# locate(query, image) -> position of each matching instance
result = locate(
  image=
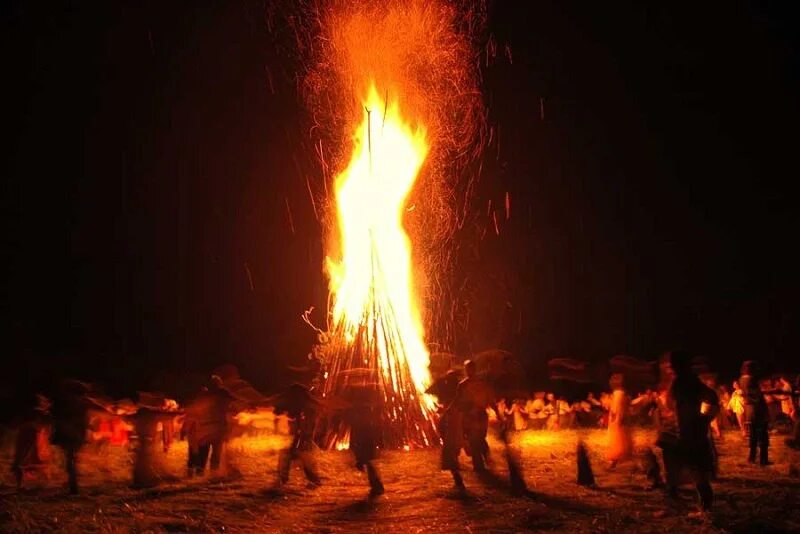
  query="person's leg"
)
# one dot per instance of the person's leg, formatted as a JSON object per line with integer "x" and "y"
{"x": 476, "y": 448}
{"x": 310, "y": 467}
{"x": 216, "y": 455}
{"x": 284, "y": 465}
{"x": 753, "y": 438}
{"x": 72, "y": 468}
{"x": 671, "y": 467}
{"x": 764, "y": 445}
{"x": 375, "y": 484}
{"x": 202, "y": 457}
{"x": 706, "y": 493}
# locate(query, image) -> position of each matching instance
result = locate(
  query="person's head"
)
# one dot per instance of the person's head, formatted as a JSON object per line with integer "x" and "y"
{"x": 550, "y": 397}
{"x": 470, "y": 368}
{"x": 749, "y": 368}
{"x": 736, "y": 386}
{"x": 215, "y": 383}
{"x": 590, "y": 396}
{"x": 681, "y": 362}
{"x": 616, "y": 381}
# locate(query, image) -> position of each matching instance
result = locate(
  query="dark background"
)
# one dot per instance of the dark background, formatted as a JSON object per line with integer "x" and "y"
{"x": 159, "y": 221}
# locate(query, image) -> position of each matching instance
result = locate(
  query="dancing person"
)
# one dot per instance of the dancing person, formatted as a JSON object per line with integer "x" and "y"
{"x": 450, "y": 427}
{"x": 301, "y": 407}
{"x": 152, "y": 412}
{"x": 620, "y": 438}
{"x": 692, "y": 450}
{"x": 736, "y": 405}
{"x": 756, "y": 413}
{"x": 70, "y": 413}
{"x": 197, "y": 453}
{"x": 363, "y": 417}
{"x": 507, "y": 386}
{"x": 473, "y": 396}
{"x": 31, "y": 451}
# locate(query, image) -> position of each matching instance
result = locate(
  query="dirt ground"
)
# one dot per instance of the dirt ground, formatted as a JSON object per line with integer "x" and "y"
{"x": 419, "y": 496}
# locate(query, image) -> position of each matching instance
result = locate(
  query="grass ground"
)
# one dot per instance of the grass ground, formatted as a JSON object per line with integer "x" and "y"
{"x": 419, "y": 497}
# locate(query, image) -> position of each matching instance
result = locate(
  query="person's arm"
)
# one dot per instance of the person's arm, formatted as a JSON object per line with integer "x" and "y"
{"x": 711, "y": 398}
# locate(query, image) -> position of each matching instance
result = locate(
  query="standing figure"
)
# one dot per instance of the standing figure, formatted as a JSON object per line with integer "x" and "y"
{"x": 207, "y": 417}
{"x": 152, "y": 413}
{"x": 198, "y": 458}
{"x": 692, "y": 451}
{"x": 450, "y": 427}
{"x": 301, "y": 408}
{"x": 31, "y": 451}
{"x": 70, "y": 413}
{"x": 756, "y": 412}
{"x": 620, "y": 438}
{"x": 363, "y": 417}
{"x": 736, "y": 405}
{"x": 473, "y": 396}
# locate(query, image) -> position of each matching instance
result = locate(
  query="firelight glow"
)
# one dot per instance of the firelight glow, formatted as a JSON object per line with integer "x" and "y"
{"x": 372, "y": 283}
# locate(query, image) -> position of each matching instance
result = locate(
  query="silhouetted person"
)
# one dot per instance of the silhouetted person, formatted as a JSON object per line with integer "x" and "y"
{"x": 197, "y": 456}
{"x": 473, "y": 396}
{"x": 363, "y": 417}
{"x": 70, "y": 413}
{"x": 301, "y": 408}
{"x": 147, "y": 468}
{"x": 31, "y": 452}
{"x": 450, "y": 427}
{"x": 756, "y": 412}
{"x": 688, "y": 395}
{"x": 507, "y": 386}
{"x": 207, "y": 418}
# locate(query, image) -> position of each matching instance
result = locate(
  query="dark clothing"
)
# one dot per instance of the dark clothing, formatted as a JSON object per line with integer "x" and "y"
{"x": 689, "y": 394}
{"x": 301, "y": 407}
{"x": 473, "y": 396}
{"x": 206, "y": 426}
{"x": 684, "y": 437}
{"x": 70, "y": 413}
{"x": 759, "y": 439}
{"x": 756, "y": 418}
{"x": 198, "y": 457}
{"x": 364, "y": 420}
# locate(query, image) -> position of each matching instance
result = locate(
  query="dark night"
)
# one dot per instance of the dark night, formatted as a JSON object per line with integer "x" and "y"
{"x": 383, "y": 265}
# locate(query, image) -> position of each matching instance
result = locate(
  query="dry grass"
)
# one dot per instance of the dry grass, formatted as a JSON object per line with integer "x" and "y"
{"x": 419, "y": 496}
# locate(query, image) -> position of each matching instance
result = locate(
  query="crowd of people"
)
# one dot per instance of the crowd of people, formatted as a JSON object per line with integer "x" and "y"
{"x": 688, "y": 409}
{"x": 547, "y": 411}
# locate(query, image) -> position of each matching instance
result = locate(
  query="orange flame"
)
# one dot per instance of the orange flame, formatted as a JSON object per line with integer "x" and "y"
{"x": 374, "y": 274}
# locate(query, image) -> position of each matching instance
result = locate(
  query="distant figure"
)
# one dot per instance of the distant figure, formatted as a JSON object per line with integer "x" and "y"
{"x": 736, "y": 405}
{"x": 756, "y": 412}
{"x": 620, "y": 438}
{"x": 473, "y": 396}
{"x": 31, "y": 450}
{"x": 301, "y": 408}
{"x": 70, "y": 412}
{"x": 692, "y": 450}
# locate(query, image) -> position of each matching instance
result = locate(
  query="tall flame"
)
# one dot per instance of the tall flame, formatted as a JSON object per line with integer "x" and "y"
{"x": 372, "y": 283}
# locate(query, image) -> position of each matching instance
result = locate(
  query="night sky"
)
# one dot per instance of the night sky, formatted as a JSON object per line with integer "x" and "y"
{"x": 159, "y": 221}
